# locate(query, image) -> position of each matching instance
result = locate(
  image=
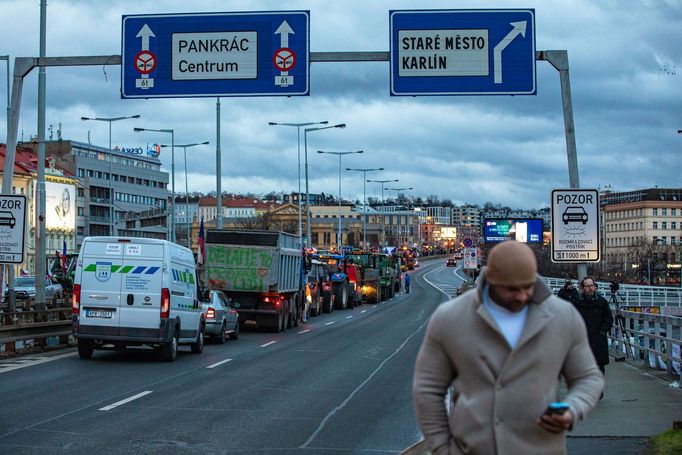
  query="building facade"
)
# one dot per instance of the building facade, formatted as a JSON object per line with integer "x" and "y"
{"x": 127, "y": 184}
{"x": 641, "y": 234}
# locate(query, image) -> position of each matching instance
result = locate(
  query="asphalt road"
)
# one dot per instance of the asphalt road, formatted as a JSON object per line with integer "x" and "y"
{"x": 339, "y": 384}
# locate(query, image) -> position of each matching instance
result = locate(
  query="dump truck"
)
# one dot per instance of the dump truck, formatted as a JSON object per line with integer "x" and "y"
{"x": 260, "y": 271}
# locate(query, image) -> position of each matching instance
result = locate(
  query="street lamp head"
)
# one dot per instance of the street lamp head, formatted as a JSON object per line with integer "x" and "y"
{"x": 135, "y": 116}
{"x": 360, "y": 151}
{"x": 85, "y": 118}
{"x": 325, "y": 122}
{"x": 340, "y": 125}
{"x": 137, "y": 130}
{"x": 272, "y": 123}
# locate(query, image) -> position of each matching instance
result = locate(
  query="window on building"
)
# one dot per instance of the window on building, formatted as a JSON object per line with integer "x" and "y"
{"x": 654, "y": 212}
{"x": 664, "y": 240}
{"x": 664, "y": 225}
{"x": 664, "y": 212}
{"x": 673, "y": 212}
{"x": 673, "y": 240}
{"x": 655, "y": 225}
{"x": 673, "y": 225}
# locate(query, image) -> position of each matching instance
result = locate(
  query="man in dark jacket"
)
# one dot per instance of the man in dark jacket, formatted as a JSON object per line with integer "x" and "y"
{"x": 569, "y": 292}
{"x": 596, "y": 312}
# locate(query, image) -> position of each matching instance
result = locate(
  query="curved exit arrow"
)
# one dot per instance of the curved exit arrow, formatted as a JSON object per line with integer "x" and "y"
{"x": 519, "y": 29}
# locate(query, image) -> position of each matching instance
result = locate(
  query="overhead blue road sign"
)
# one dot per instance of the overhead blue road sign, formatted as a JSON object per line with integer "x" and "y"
{"x": 463, "y": 52}
{"x": 215, "y": 54}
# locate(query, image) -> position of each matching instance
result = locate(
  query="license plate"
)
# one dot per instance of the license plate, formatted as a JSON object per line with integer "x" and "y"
{"x": 102, "y": 314}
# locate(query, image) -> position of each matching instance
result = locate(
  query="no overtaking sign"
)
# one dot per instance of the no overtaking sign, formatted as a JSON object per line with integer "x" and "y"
{"x": 12, "y": 228}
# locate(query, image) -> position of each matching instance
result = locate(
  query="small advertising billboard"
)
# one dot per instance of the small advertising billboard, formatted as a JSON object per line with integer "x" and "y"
{"x": 526, "y": 230}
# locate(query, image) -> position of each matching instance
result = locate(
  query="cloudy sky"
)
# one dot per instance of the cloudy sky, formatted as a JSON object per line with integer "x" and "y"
{"x": 626, "y": 79}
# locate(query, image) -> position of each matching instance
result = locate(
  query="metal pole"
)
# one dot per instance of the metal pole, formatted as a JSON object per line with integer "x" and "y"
{"x": 9, "y": 271}
{"x": 559, "y": 60}
{"x": 364, "y": 210}
{"x": 111, "y": 196}
{"x": 218, "y": 172}
{"x": 338, "y": 240}
{"x": 39, "y": 242}
{"x": 189, "y": 237}
{"x": 173, "y": 186}
{"x": 307, "y": 194}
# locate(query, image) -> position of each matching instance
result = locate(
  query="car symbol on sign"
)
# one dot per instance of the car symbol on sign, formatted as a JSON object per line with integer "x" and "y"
{"x": 574, "y": 213}
{"x": 7, "y": 219}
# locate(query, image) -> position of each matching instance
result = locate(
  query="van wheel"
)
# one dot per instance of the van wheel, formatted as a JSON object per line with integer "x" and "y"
{"x": 85, "y": 349}
{"x": 221, "y": 337}
{"x": 169, "y": 351}
{"x": 198, "y": 345}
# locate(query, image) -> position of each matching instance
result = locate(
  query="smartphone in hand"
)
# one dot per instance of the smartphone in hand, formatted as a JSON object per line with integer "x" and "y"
{"x": 556, "y": 407}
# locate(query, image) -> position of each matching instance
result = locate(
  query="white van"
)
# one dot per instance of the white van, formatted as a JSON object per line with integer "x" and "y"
{"x": 133, "y": 291}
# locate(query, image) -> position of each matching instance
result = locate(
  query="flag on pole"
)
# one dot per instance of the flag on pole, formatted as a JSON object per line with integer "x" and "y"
{"x": 201, "y": 254}
{"x": 64, "y": 257}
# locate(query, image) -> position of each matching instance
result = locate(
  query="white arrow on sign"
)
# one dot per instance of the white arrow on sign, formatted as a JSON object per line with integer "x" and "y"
{"x": 145, "y": 33}
{"x": 283, "y": 30}
{"x": 519, "y": 29}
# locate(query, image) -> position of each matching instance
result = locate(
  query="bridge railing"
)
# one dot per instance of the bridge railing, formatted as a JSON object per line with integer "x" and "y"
{"x": 632, "y": 294}
{"x": 651, "y": 339}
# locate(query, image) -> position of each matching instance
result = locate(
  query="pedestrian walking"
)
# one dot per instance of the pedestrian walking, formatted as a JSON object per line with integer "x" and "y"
{"x": 596, "y": 313}
{"x": 569, "y": 292}
{"x": 407, "y": 283}
{"x": 500, "y": 351}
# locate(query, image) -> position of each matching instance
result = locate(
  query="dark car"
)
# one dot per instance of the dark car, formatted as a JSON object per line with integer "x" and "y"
{"x": 7, "y": 219}
{"x": 222, "y": 319}
{"x": 451, "y": 262}
{"x": 574, "y": 213}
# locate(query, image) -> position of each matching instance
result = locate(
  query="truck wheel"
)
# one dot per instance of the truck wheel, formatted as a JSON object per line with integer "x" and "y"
{"x": 340, "y": 295}
{"x": 299, "y": 310}
{"x": 327, "y": 306}
{"x": 277, "y": 327}
{"x": 285, "y": 318}
{"x": 85, "y": 349}
{"x": 169, "y": 351}
{"x": 221, "y": 336}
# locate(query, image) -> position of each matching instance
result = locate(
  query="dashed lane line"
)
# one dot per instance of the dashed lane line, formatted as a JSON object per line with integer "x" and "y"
{"x": 348, "y": 317}
{"x": 217, "y": 364}
{"x": 127, "y": 400}
{"x": 329, "y": 323}
{"x": 304, "y": 331}
{"x": 267, "y": 344}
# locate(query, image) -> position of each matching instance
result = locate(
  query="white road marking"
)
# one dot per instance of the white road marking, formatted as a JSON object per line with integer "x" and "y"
{"x": 362, "y": 311}
{"x": 329, "y": 323}
{"x": 348, "y": 317}
{"x": 304, "y": 331}
{"x": 127, "y": 400}
{"x": 354, "y": 392}
{"x": 217, "y": 364}
{"x": 23, "y": 363}
{"x": 267, "y": 344}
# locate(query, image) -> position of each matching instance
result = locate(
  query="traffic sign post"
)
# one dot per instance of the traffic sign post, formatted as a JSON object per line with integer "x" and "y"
{"x": 463, "y": 52}
{"x": 12, "y": 228}
{"x": 470, "y": 259}
{"x": 220, "y": 54}
{"x": 575, "y": 225}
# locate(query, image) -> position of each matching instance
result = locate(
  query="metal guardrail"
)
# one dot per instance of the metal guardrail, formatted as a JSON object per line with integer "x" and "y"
{"x": 33, "y": 325}
{"x": 631, "y": 294}
{"x": 653, "y": 339}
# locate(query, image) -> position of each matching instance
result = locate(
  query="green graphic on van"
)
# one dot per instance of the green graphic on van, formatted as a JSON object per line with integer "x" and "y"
{"x": 104, "y": 270}
{"x": 183, "y": 277}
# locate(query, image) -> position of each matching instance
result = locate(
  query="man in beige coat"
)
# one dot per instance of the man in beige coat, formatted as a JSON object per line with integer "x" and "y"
{"x": 502, "y": 348}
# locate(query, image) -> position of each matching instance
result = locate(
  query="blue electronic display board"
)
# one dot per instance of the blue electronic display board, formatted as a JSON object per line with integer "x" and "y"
{"x": 215, "y": 54}
{"x": 526, "y": 230}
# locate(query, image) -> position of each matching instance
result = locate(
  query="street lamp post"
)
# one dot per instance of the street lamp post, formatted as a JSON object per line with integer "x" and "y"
{"x": 110, "y": 120}
{"x": 383, "y": 208}
{"x": 298, "y": 130}
{"x": 172, "y": 210}
{"x": 185, "y": 147}
{"x": 340, "y": 154}
{"x": 307, "y": 194}
{"x": 364, "y": 199}
{"x": 399, "y": 190}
